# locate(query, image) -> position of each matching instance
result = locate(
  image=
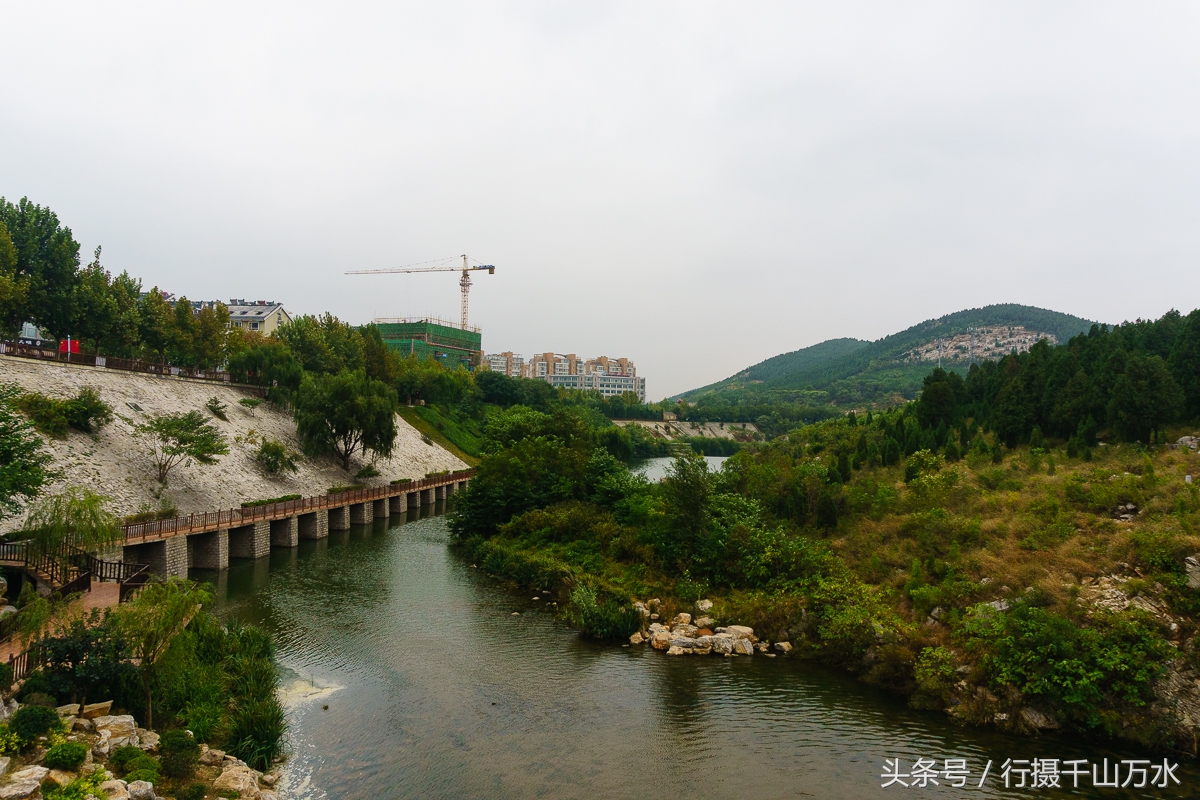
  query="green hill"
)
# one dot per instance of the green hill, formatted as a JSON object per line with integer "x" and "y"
{"x": 852, "y": 371}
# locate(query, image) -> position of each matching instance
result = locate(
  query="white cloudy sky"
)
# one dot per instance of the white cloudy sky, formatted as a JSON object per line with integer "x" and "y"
{"x": 696, "y": 186}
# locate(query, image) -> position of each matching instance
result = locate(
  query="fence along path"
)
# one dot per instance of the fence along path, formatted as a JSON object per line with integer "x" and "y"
{"x": 205, "y": 521}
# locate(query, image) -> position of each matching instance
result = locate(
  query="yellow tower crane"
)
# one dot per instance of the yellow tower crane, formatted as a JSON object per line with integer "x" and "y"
{"x": 464, "y": 283}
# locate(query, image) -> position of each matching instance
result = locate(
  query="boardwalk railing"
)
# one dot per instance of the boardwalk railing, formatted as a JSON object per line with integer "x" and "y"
{"x": 108, "y": 362}
{"x": 236, "y": 517}
{"x": 70, "y": 570}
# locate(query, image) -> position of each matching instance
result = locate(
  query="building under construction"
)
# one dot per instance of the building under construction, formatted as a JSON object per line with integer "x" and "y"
{"x": 428, "y": 337}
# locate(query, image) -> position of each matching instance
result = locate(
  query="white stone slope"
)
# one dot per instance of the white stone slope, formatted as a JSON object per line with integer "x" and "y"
{"x": 116, "y": 464}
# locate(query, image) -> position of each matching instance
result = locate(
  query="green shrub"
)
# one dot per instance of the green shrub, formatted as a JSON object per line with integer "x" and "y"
{"x": 274, "y": 457}
{"x": 193, "y": 791}
{"x": 47, "y": 414}
{"x": 10, "y": 743}
{"x": 147, "y": 775}
{"x": 256, "y": 730}
{"x": 142, "y": 765}
{"x": 120, "y": 758}
{"x": 31, "y": 722}
{"x": 202, "y": 719}
{"x": 67, "y": 756}
{"x": 217, "y": 408}
{"x": 85, "y": 412}
{"x": 340, "y": 489}
{"x": 368, "y": 471}
{"x": 81, "y": 788}
{"x": 179, "y": 754}
{"x": 270, "y": 500}
{"x": 250, "y": 403}
{"x": 1083, "y": 673}
{"x": 40, "y": 699}
{"x": 602, "y": 617}
{"x": 6, "y": 675}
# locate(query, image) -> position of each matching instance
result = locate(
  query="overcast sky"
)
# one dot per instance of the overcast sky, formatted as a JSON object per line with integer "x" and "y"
{"x": 695, "y": 186}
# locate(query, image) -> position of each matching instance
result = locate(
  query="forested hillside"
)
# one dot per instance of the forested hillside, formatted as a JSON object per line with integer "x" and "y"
{"x": 854, "y": 372}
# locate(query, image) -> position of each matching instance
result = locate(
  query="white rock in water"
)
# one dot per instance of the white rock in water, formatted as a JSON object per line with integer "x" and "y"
{"x": 636, "y": 638}
{"x": 704, "y": 605}
{"x": 704, "y": 622}
{"x": 783, "y": 647}
{"x": 722, "y": 643}
{"x": 660, "y": 640}
{"x": 676, "y": 651}
{"x": 741, "y": 632}
{"x": 743, "y": 647}
{"x": 682, "y": 619}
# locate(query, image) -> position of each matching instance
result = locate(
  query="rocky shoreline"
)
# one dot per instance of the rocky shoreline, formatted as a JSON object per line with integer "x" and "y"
{"x": 685, "y": 636}
{"x": 104, "y": 733}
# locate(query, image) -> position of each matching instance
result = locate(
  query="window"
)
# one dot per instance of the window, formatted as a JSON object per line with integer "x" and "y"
{"x": 253, "y": 326}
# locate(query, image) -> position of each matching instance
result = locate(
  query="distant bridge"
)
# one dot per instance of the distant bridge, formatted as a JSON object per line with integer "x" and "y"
{"x": 207, "y": 540}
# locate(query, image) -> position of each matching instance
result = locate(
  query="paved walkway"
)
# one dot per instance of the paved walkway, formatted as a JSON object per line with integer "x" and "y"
{"x": 102, "y": 595}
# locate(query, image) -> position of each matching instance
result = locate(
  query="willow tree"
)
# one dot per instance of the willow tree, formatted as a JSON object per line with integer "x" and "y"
{"x": 77, "y": 517}
{"x": 151, "y": 621}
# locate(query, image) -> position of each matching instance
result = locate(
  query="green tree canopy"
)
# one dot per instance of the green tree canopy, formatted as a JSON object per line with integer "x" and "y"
{"x": 1144, "y": 397}
{"x": 344, "y": 413}
{"x": 47, "y": 263}
{"x": 24, "y": 464}
{"x": 76, "y": 517}
{"x": 176, "y": 438}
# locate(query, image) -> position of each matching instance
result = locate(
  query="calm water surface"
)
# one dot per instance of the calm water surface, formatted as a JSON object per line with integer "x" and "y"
{"x": 656, "y": 468}
{"x": 435, "y": 690}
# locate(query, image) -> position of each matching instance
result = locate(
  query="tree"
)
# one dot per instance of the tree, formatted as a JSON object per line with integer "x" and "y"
{"x": 269, "y": 364}
{"x": 343, "y": 413}
{"x": 1144, "y": 397}
{"x": 175, "y": 438}
{"x": 95, "y": 305}
{"x": 14, "y": 289}
{"x": 150, "y": 621}
{"x": 47, "y": 262}
{"x": 155, "y": 323}
{"x": 24, "y": 465}
{"x": 1185, "y": 364}
{"x": 75, "y": 517}
{"x": 938, "y": 403}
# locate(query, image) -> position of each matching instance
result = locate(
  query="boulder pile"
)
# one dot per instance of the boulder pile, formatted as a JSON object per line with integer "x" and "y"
{"x": 699, "y": 636}
{"x": 104, "y": 733}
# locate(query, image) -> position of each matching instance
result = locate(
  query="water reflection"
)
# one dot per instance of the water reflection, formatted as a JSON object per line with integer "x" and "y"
{"x": 449, "y": 695}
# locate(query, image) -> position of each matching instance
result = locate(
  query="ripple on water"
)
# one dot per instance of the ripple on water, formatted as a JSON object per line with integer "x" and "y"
{"x": 447, "y": 695}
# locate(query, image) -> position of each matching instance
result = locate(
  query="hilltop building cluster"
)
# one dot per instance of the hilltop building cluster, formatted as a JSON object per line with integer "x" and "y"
{"x": 979, "y": 344}
{"x": 611, "y": 377}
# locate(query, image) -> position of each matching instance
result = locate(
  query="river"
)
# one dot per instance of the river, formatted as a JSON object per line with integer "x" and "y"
{"x": 409, "y": 676}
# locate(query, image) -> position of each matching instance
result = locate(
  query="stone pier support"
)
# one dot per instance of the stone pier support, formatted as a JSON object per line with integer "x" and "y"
{"x": 250, "y": 541}
{"x": 362, "y": 513}
{"x": 398, "y": 504}
{"x": 339, "y": 518}
{"x": 427, "y": 497}
{"x": 381, "y": 509}
{"x": 414, "y": 499}
{"x": 314, "y": 525}
{"x": 285, "y": 532}
{"x": 439, "y": 493}
{"x": 167, "y": 557}
{"x": 208, "y": 550}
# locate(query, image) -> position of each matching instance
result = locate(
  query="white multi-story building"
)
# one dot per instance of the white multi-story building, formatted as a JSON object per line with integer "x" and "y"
{"x": 506, "y": 363}
{"x": 611, "y": 377}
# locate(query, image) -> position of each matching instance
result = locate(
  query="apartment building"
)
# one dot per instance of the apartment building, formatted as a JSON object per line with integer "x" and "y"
{"x": 609, "y": 376}
{"x": 506, "y": 363}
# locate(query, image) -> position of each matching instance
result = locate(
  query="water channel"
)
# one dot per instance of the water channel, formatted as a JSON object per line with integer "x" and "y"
{"x": 409, "y": 676}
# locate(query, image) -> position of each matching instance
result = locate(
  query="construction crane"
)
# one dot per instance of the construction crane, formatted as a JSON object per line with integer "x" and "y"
{"x": 464, "y": 283}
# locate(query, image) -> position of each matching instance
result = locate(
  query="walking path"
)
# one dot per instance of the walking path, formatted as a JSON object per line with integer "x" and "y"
{"x": 102, "y": 595}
